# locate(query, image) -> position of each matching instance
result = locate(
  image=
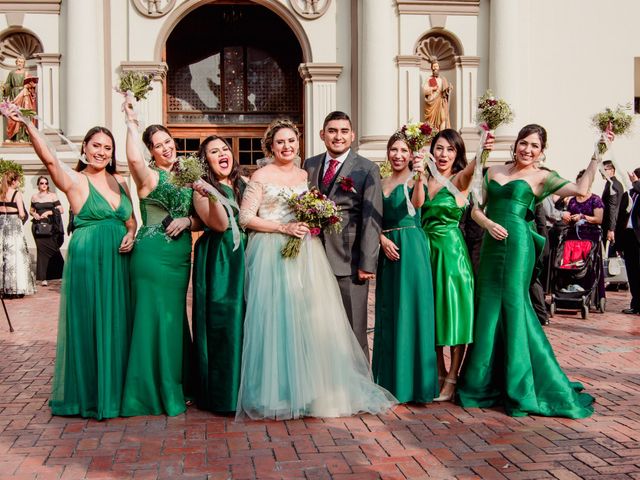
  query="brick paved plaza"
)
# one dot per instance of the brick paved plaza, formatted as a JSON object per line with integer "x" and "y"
{"x": 434, "y": 441}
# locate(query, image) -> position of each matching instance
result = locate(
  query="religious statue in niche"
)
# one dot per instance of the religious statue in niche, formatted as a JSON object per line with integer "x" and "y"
{"x": 154, "y": 8}
{"x": 310, "y": 9}
{"x": 20, "y": 88}
{"x": 437, "y": 91}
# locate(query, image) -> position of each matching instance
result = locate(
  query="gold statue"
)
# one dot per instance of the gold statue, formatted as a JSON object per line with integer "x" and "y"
{"x": 437, "y": 91}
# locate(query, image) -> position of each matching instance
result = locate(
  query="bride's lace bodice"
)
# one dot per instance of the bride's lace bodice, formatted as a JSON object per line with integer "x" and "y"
{"x": 268, "y": 201}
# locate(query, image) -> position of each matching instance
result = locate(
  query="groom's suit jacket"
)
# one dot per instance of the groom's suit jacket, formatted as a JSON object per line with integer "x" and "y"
{"x": 356, "y": 247}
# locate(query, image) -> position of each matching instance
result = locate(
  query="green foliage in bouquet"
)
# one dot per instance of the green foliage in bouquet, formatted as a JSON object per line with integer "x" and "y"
{"x": 139, "y": 84}
{"x": 618, "y": 121}
{"x": 492, "y": 112}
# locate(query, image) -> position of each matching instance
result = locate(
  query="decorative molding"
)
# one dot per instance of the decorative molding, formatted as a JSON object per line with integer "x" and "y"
{"x": 323, "y": 72}
{"x": 154, "y": 8}
{"x": 408, "y": 60}
{"x": 440, "y": 46}
{"x": 17, "y": 42}
{"x": 310, "y": 9}
{"x": 442, "y": 7}
{"x": 15, "y": 19}
{"x": 157, "y": 69}
{"x": 31, "y": 6}
{"x": 468, "y": 61}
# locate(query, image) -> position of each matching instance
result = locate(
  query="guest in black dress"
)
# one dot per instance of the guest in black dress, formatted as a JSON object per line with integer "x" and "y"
{"x": 48, "y": 232}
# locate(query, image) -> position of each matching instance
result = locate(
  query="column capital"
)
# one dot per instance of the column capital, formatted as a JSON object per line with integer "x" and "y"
{"x": 324, "y": 72}
{"x": 468, "y": 61}
{"x": 157, "y": 69}
{"x": 443, "y": 7}
{"x": 408, "y": 60}
{"x": 48, "y": 58}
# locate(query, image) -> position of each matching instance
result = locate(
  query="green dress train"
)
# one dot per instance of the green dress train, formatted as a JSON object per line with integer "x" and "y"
{"x": 404, "y": 355}
{"x": 217, "y": 318}
{"x": 161, "y": 341}
{"x": 94, "y": 324}
{"x": 451, "y": 269}
{"x": 511, "y": 362}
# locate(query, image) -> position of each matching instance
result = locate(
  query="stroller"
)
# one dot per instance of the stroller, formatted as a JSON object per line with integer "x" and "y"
{"x": 576, "y": 272}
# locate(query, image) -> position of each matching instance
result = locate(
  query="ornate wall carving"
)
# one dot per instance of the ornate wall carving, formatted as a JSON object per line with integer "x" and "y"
{"x": 13, "y": 44}
{"x": 154, "y": 8}
{"x": 437, "y": 45}
{"x": 310, "y": 9}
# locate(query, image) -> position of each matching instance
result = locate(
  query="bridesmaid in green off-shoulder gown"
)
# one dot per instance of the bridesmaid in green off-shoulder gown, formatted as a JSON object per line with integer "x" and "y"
{"x": 218, "y": 284}
{"x": 404, "y": 355}
{"x": 511, "y": 362}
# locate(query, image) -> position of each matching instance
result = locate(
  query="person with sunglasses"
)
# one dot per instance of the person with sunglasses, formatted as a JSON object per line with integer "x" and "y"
{"x": 48, "y": 232}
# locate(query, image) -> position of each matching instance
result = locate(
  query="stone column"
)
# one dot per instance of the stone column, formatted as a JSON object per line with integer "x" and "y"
{"x": 378, "y": 117}
{"x": 466, "y": 106}
{"x": 504, "y": 67}
{"x": 48, "y": 65}
{"x": 409, "y": 89}
{"x": 83, "y": 68}
{"x": 320, "y": 81}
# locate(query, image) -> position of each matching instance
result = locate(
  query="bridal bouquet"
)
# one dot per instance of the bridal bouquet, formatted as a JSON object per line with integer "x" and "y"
{"x": 609, "y": 121}
{"x": 492, "y": 112}
{"x": 316, "y": 210}
{"x": 186, "y": 171}
{"x": 25, "y": 112}
{"x": 418, "y": 135}
{"x": 137, "y": 83}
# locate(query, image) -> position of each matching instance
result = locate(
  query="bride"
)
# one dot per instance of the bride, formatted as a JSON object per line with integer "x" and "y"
{"x": 300, "y": 356}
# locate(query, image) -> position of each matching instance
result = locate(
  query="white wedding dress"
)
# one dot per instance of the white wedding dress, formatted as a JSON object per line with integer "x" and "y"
{"x": 300, "y": 356}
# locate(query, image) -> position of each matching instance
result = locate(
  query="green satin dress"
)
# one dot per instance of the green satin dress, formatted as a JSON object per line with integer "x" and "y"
{"x": 451, "y": 269}
{"x": 404, "y": 356}
{"x": 511, "y": 362}
{"x": 95, "y": 314}
{"x": 161, "y": 341}
{"x": 218, "y": 317}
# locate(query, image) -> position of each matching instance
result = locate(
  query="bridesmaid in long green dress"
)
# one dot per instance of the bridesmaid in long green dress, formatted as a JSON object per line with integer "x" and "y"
{"x": 450, "y": 263}
{"x": 160, "y": 268}
{"x": 511, "y": 362}
{"x": 218, "y": 284}
{"x": 404, "y": 355}
{"x": 94, "y": 322}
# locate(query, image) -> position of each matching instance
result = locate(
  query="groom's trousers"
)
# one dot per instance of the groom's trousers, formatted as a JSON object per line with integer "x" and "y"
{"x": 354, "y": 297}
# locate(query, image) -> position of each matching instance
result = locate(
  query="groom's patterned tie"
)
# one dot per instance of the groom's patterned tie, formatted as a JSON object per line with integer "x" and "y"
{"x": 330, "y": 173}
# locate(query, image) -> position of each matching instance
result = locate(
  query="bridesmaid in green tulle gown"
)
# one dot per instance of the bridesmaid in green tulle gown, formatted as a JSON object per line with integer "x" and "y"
{"x": 94, "y": 322}
{"x": 218, "y": 283}
{"x": 160, "y": 268}
{"x": 511, "y": 362}
{"x": 404, "y": 355}
{"x": 450, "y": 263}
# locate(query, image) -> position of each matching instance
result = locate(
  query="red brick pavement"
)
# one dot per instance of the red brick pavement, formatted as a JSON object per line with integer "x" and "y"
{"x": 412, "y": 441}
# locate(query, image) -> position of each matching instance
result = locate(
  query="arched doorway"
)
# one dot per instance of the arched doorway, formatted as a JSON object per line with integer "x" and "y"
{"x": 233, "y": 67}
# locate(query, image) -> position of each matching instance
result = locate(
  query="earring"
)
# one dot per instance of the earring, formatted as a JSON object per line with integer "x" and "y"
{"x": 83, "y": 159}
{"x": 542, "y": 158}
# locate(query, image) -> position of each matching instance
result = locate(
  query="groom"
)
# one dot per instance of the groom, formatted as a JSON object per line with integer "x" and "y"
{"x": 353, "y": 183}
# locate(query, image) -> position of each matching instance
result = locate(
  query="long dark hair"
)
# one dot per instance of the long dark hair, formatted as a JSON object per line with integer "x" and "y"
{"x": 209, "y": 176}
{"x": 455, "y": 140}
{"x": 111, "y": 168}
{"x": 150, "y": 131}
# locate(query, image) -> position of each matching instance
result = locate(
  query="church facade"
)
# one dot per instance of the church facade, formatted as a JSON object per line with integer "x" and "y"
{"x": 230, "y": 67}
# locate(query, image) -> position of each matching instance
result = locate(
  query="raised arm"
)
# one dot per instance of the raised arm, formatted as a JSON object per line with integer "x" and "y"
{"x": 212, "y": 214}
{"x": 463, "y": 179}
{"x": 140, "y": 171}
{"x": 581, "y": 187}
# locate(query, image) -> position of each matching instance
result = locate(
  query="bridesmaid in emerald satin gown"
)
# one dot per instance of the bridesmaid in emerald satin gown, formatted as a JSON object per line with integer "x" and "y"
{"x": 94, "y": 322}
{"x": 511, "y": 362}
{"x": 404, "y": 355}
{"x": 160, "y": 268}
{"x": 450, "y": 263}
{"x": 218, "y": 284}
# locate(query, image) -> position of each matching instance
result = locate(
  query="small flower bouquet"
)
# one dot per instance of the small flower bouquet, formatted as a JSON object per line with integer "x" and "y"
{"x": 418, "y": 136}
{"x": 316, "y": 210}
{"x": 492, "y": 112}
{"x": 6, "y": 105}
{"x": 609, "y": 121}
{"x": 139, "y": 84}
{"x": 8, "y": 166}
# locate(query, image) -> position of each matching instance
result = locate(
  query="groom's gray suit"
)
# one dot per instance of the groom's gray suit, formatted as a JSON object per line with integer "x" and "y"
{"x": 356, "y": 247}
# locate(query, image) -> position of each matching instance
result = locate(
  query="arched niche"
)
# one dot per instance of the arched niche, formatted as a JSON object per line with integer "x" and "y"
{"x": 19, "y": 42}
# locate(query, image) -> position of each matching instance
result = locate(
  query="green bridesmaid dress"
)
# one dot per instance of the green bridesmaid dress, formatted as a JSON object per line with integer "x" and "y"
{"x": 218, "y": 317}
{"x": 94, "y": 324}
{"x": 161, "y": 341}
{"x": 404, "y": 355}
{"x": 511, "y": 362}
{"x": 451, "y": 269}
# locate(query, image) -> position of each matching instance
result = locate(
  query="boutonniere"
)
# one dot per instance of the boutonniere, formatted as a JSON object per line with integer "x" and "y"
{"x": 346, "y": 184}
